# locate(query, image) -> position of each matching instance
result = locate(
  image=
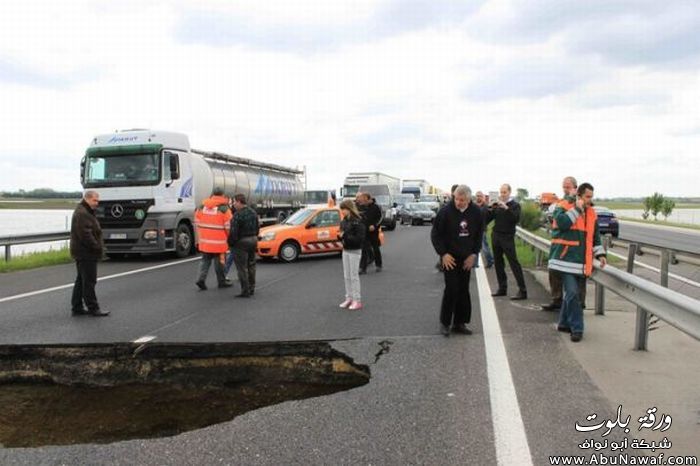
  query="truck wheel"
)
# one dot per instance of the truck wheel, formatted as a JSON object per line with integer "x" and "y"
{"x": 183, "y": 241}
{"x": 289, "y": 251}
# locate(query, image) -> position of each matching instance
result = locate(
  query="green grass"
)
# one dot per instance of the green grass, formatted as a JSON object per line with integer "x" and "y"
{"x": 622, "y": 205}
{"x": 68, "y": 204}
{"x": 663, "y": 223}
{"x": 35, "y": 260}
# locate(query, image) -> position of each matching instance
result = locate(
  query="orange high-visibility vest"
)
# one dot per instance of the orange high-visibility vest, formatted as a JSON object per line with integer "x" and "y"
{"x": 212, "y": 220}
{"x": 583, "y": 229}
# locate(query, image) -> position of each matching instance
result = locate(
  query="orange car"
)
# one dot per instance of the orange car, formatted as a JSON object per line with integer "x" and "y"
{"x": 312, "y": 230}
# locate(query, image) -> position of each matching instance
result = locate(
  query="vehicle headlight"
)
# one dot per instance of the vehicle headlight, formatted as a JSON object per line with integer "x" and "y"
{"x": 150, "y": 234}
{"x": 269, "y": 236}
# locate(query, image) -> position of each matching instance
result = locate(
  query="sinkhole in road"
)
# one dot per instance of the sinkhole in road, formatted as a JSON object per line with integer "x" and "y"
{"x": 101, "y": 393}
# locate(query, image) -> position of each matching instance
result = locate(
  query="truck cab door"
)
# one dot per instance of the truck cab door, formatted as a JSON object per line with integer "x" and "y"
{"x": 173, "y": 178}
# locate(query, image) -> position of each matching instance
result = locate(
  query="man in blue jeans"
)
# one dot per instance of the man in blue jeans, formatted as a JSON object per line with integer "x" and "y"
{"x": 481, "y": 204}
{"x": 575, "y": 242}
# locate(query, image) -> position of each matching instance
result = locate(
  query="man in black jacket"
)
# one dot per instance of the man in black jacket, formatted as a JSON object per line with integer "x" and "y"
{"x": 243, "y": 240}
{"x": 372, "y": 218}
{"x": 86, "y": 248}
{"x": 505, "y": 212}
{"x": 456, "y": 237}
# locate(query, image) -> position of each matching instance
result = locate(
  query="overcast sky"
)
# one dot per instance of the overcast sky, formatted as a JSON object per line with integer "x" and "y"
{"x": 477, "y": 92}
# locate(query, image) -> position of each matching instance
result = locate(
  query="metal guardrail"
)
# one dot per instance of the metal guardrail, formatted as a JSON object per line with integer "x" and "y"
{"x": 678, "y": 310}
{"x": 9, "y": 241}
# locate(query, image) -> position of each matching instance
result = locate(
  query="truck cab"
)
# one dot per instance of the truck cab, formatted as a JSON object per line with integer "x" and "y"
{"x": 144, "y": 179}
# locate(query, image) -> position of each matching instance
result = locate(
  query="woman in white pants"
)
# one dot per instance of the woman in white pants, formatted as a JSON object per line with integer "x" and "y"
{"x": 352, "y": 233}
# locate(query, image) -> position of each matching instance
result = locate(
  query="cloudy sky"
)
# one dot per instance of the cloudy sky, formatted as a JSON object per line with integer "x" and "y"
{"x": 475, "y": 91}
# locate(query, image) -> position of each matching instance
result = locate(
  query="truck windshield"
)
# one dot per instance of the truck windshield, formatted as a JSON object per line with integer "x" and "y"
{"x": 315, "y": 197}
{"x": 350, "y": 190}
{"x": 299, "y": 217}
{"x": 122, "y": 170}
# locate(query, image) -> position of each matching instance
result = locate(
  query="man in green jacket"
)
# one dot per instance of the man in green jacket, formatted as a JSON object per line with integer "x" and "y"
{"x": 575, "y": 242}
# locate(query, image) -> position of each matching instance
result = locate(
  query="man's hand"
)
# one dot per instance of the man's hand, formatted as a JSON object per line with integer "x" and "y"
{"x": 371, "y": 228}
{"x": 502, "y": 205}
{"x": 603, "y": 262}
{"x": 579, "y": 203}
{"x": 469, "y": 262}
{"x": 448, "y": 262}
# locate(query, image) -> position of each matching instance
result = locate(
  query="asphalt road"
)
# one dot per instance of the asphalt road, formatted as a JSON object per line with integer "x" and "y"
{"x": 680, "y": 239}
{"x": 430, "y": 399}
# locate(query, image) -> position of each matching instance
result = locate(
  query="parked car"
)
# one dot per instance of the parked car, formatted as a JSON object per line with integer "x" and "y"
{"x": 607, "y": 221}
{"x": 313, "y": 230}
{"x": 416, "y": 213}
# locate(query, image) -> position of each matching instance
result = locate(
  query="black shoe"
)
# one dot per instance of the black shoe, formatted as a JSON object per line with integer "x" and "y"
{"x": 551, "y": 307}
{"x": 488, "y": 266}
{"x": 226, "y": 284}
{"x": 202, "y": 286}
{"x": 499, "y": 293}
{"x": 98, "y": 313}
{"x": 252, "y": 291}
{"x": 520, "y": 296}
{"x": 576, "y": 337}
{"x": 564, "y": 329}
{"x": 445, "y": 330}
{"x": 461, "y": 328}
{"x": 79, "y": 312}
{"x": 379, "y": 268}
{"x": 243, "y": 294}
{"x": 362, "y": 271}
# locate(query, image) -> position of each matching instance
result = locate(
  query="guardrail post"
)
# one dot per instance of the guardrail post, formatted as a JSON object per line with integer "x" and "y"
{"x": 665, "y": 258}
{"x": 538, "y": 258}
{"x": 641, "y": 330}
{"x": 599, "y": 299}
{"x": 8, "y": 253}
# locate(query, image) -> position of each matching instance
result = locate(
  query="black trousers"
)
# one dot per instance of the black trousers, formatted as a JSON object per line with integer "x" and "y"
{"x": 84, "y": 287}
{"x": 556, "y": 287}
{"x": 244, "y": 253}
{"x": 371, "y": 247}
{"x": 504, "y": 244}
{"x": 456, "y": 301}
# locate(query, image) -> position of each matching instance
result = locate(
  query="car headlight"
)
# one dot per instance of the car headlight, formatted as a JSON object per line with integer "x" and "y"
{"x": 269, "y": 236}
{"x": 150, "y": 234}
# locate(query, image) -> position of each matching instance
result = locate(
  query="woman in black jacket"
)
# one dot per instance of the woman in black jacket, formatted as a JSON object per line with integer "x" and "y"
{"x": 352, "y": 233}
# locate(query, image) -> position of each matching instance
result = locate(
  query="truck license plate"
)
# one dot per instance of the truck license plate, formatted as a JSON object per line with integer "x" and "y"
{"x": 117, "y": 236}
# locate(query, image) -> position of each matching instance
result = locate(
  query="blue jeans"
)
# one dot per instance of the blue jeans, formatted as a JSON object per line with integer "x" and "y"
{"x": 571, "y": 313}
{"x": 228, "y": 263}
{"x": 487, "y": 252}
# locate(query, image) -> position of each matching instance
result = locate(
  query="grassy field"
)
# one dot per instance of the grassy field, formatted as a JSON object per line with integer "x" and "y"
{"x": 35, "y": 260}
{"x": 617, "y": 205}
{"x": 662, "y": 223}
{"x": 69, "y": 204}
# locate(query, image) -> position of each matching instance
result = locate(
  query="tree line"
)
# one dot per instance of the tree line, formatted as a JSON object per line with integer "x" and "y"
{"x": 42, "y": 193}
{"x": 657, "y": 203}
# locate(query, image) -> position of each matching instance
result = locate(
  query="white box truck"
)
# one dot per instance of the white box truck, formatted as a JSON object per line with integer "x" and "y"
{"x": 353, "y": 181}
{"x": 150, "y": 183}
{"x": 416, "y": 187}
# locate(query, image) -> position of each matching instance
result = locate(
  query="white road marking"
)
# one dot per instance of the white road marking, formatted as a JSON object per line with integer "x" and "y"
{"x": 108, "y": 277}
{"x": 508, "y": 427}
{"x": 144, "y": 339}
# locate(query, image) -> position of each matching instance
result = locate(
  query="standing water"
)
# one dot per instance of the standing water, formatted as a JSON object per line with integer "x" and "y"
{"x": 28, "y": 221}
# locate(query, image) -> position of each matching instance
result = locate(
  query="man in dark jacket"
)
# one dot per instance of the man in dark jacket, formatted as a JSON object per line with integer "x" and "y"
{"x": 456, "y": 237}
{"x": 86, "y": 248}
{"x": 243, "y": 240}
{"x": 372, "y": 218}
{"x": 505, "y": 212}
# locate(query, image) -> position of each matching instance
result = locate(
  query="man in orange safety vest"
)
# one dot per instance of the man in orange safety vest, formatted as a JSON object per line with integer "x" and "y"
{"x": 212, "y": 220}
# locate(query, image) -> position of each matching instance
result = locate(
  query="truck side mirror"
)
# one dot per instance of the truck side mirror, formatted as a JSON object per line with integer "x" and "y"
{"x": 82, "y": 171}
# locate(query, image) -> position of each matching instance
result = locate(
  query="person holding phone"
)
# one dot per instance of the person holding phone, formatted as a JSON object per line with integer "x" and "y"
{"x": 505, "y": 212}
{"x": 575, "y": 242}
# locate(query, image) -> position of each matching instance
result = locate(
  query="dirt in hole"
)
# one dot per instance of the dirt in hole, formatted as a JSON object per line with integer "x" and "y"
{"x": 50, "y": 414}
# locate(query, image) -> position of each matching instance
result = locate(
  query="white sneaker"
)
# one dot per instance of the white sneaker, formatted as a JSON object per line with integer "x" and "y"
{"x": 355, "y": 306}
{"x": 346, "y": 303}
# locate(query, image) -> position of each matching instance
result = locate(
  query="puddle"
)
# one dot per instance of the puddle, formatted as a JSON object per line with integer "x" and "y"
{"x": 60, "y": 395}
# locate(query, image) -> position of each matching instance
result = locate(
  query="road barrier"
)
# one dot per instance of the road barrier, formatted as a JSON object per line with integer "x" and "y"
{"x": 9, "y": 241}
{"x": 676, "y": 309}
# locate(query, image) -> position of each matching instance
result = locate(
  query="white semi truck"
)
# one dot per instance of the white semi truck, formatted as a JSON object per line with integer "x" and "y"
{"x": 416, "y": 187}
{"x": 353, "y": 181}
{"x": 151, "y": 182}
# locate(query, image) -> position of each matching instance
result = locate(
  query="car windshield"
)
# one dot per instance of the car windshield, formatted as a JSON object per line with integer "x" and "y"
{"x": 417, "y": 207}
{"x": 299, "y": 217}
{"x": 122, "y": 170}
